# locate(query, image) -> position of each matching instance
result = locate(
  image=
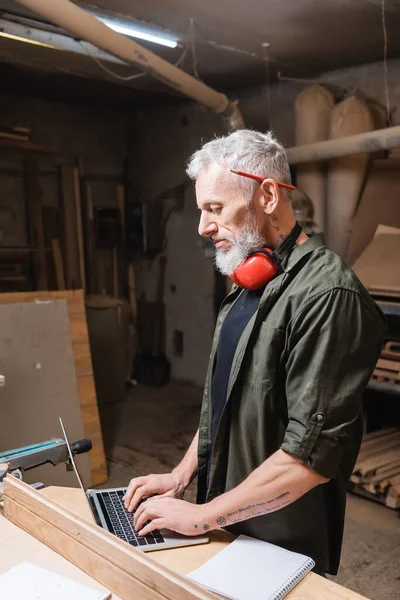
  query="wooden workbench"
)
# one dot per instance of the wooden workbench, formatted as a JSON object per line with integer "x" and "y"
{"x": 18, "y": 546}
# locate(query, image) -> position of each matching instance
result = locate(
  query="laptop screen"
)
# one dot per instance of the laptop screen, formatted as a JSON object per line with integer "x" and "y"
{"x": 71, "y": 456}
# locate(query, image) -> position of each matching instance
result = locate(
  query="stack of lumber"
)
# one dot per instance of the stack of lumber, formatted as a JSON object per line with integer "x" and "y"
{"x": 377, "y": 470}
{"x": 388, "y": 366}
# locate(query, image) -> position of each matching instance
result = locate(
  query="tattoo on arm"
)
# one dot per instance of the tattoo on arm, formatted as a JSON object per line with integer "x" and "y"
{"x": 260, "y": 508}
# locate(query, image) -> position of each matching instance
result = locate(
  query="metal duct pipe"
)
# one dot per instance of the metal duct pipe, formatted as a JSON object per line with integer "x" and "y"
{"x": 85, "y": 26}
{"x": 372, "y": 141}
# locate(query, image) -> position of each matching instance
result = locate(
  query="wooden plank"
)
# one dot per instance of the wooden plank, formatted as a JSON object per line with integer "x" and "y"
{"x": 89, "y": 229}
{"x": 79, "y": 228}
{"x": 390, "y": 376}
{"x": 88, "y": 561}
{"x": 378, "y": 449}
{"x": 115, "y": 272}
{"x": 368, "y": 437}
{"x": 51, "y": 226}
{"x": 83, "y": 369}
{"x": 119, "y": 567}
{"x": 58, "y": 264}
{"x": 121, "y": 270}
{"x": 389, "y": 365}
{"x": 132, "y": 292}
{"x": 368, "y": 446}
{"x": 33, "y": 194}
{"x": 68, "y": 206}
{"x": 383, "y": 473}
{"x": 27, "y": 146}
{"x": 372, "y": 464}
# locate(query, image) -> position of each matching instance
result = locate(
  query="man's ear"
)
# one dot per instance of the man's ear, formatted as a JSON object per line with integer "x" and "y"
{"x": 270, "y": 195}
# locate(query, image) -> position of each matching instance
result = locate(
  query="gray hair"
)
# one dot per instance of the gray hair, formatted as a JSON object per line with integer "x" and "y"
{"x": 244, "y": 150}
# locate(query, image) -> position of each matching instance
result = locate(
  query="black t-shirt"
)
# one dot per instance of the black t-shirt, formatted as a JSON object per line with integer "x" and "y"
{"x": 231, "y": 331}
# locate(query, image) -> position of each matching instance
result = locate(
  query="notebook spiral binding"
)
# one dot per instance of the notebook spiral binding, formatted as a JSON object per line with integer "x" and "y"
{"x": 297, "y": 577}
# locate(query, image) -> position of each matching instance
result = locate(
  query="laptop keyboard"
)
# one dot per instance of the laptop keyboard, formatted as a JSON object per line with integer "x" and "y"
{"x": 120, "y": 521}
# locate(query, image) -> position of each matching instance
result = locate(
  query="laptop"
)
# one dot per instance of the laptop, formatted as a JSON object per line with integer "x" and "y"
{"x": 109, "y": 513}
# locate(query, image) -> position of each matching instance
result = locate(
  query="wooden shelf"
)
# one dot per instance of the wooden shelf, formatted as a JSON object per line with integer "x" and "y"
{"x": 26, "y": 146}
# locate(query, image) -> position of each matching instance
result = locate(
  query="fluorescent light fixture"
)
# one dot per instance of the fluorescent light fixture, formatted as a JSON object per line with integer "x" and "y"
{"x": 55, "y": 41}
{"x": 18, "y": 38}
{"x": 137, "y": 33}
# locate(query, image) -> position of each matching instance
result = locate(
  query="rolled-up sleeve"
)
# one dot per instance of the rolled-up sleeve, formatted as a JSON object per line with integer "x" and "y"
{"x": 333, "y": 344}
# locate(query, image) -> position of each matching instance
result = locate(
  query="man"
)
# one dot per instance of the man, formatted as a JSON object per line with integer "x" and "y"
{"x": 281, "y": 420}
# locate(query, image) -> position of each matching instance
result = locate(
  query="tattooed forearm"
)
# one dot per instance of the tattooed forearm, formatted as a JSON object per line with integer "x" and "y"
{"x": 260, "y": 512}
{"x": 253, "y": 510}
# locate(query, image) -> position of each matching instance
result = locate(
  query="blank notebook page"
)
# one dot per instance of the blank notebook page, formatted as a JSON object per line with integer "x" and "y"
{"x": 28, "y": 581}
{"x": 250, "y": 568}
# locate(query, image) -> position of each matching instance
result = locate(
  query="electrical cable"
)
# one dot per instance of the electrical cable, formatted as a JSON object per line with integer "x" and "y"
{"x": 106, "y": 69}
{"x": 123, "y": 77}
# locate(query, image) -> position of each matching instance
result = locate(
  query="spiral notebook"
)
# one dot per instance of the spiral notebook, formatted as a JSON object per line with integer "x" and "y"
{"x": 250, "y": 568}
{"x": 28, "y": 581}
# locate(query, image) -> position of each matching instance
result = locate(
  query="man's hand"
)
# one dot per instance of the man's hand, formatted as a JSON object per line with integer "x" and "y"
{"x": 169, "y": 513}
{"x": 167, "y": 485}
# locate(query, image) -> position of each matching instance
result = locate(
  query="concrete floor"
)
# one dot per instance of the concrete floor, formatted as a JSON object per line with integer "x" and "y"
{"x": 150, "y": 431}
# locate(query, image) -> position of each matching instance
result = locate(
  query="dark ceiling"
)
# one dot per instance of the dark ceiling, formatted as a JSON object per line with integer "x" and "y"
{"x": 305, "y": 37}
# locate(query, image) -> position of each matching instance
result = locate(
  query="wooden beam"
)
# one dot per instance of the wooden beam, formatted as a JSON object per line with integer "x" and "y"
{"x": 89, "y": 233}
{"x": 79, "y": 227}
{"x": 33, "y": 194}
{"x": 122, "y": 569}
{"x": 68, "y": 204}
{"x": 26, "y": 146}
{"x": 58, "y": 264}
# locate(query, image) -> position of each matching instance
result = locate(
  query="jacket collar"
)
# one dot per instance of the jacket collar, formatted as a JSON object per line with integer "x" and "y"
{"x": 314, "y": 242}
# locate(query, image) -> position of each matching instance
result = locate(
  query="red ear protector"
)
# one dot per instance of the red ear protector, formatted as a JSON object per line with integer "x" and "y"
{"x": 264, "y": 264}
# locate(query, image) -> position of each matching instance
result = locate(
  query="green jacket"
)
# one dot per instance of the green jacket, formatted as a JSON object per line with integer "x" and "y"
{"x": 296, "y": 383}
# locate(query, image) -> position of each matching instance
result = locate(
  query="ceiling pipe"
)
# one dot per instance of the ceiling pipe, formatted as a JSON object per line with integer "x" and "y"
{"x": 372, "y": 141}
{"x": 85, "y": 26}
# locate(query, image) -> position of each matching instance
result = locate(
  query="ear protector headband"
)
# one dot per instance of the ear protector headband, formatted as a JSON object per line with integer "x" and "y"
{"x": 264, "y": 264}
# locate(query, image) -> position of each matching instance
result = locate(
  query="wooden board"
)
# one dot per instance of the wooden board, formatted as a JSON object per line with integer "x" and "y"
{"x": 119, "y": 567}
{"x": 377, "y": 467}
{"x": 68, "y": 207}
{"x": 21, "y": 546}
{"x": 83, "y": 370}
{"x": 58, "y": 264}
{"x": 33, "y": 193}
{"x": 79, "y": 227}
{"x": 37, "y": 358}
{"x": 378, "y": 266}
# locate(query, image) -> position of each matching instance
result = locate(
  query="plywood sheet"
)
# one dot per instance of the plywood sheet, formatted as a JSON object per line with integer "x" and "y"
{"x": 83, "y": 370}
{"x": 38, "y": 363}
{"x": 378, "y": 266}
{"x": 379, "y": 203}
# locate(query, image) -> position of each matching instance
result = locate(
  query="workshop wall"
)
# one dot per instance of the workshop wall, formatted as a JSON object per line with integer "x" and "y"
{"x": 160, "y": 144}
{"x": 95, "y": 134}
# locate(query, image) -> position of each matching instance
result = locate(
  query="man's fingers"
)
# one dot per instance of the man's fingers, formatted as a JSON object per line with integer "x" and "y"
{"x": 132, "y": 487}
{"x": 144, "y": 490}
{"x": 152, "y": 526}
{"x": 137, "y": 518}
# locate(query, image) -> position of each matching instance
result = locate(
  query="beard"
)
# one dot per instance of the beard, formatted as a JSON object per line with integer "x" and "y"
{"x": 242, "y": 244}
